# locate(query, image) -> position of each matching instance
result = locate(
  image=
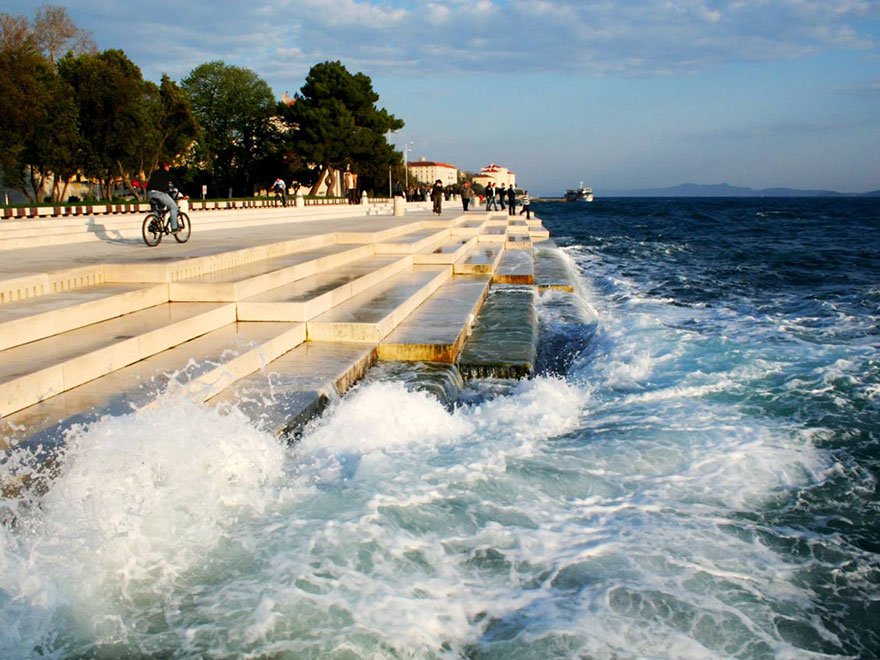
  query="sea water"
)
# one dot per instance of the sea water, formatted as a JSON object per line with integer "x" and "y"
{"x": 693, "y": 473}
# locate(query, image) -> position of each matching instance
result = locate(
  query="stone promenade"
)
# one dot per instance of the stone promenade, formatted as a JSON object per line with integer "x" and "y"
{"x": 292, "y": 304}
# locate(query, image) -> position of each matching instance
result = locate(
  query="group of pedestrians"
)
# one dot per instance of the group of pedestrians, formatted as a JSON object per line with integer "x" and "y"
{"x": 500, "y": 198}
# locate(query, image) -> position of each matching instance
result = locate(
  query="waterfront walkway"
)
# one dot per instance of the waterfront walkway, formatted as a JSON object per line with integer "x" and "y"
{"x": 288, "y": 304}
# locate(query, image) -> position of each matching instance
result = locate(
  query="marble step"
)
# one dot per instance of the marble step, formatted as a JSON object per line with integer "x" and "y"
{"x": 296, "y": 387}
{"x": 25, "y": 321}
{"x": 453, "y": 249}
{"x": 504, "y": 340}
{"x": 250, "y": 279}
{"x": 437, "y": 329}
{"x": 372, "y": 314}
{"x": 308, "y": 297}
{"x": 515, "y": 267}
{"x": 41, "y": 369}
{"x": 420, "y": 240}
{"x": 196, "y": 367}
{"x": 552, "y": 272}
{"x": 481, "y": 260}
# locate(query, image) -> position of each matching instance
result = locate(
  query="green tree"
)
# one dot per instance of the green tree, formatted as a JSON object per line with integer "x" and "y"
{"x": 336, "y": 123}
{"x": 234, "y": 108}
{"x": 25, "y": 94}
{"x": 117, "y": 114}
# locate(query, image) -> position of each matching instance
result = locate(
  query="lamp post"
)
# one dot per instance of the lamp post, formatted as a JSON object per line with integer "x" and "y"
{"x": 406, "y": 149}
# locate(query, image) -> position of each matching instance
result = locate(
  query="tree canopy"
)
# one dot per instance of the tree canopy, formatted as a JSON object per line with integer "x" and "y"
{"x": 68, "y": 110}
{"x": 335, "y": 122}
{"x": 234, "y": 107}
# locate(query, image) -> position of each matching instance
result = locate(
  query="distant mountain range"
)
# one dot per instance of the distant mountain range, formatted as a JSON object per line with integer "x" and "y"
{"x": 726, "y": 190}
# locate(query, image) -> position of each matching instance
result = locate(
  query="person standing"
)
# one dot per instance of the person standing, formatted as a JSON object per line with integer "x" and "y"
{"x": 526, "y": 205}
{"x": 350, "y": 181}
{"x": 280, "y": 189}
{"x": 159, "y": 189}
{"x": 502, "y": 196}
{"x": 467, "y": 194}
{"x": 437, "y": 196}
{"x": 511, "y": 200}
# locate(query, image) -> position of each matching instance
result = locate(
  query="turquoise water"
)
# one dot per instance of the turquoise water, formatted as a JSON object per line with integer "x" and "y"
{"x": 693, "y": 474}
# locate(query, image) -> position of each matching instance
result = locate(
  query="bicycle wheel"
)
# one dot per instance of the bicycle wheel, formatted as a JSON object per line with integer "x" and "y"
{"x": 152, "y": 229}
{"x": 185, "y": 228}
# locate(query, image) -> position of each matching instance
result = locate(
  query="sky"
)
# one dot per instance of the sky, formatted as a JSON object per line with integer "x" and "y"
{"x": 620, "y": 95}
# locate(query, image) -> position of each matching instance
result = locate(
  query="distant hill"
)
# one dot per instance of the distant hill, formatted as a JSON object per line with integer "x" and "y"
{"x": 726, "y": 190}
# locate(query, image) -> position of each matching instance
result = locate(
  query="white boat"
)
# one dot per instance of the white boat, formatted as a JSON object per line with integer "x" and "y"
{"x": 579, "y": 194}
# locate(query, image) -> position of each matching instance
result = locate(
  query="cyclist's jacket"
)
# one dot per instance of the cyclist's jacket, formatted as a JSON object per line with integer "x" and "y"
{"x": 160, "y": 180}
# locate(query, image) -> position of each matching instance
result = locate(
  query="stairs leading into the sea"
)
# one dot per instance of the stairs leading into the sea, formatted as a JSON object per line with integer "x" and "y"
{"x": 296, "y": 320}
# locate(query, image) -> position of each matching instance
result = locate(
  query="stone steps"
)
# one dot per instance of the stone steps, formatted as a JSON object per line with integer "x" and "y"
{"x": 437, "y": 329}
{"x": 515, "y": 267}
{"x": 51, "y": 314}
{"x": 504, "y": 340}
{"x": 251, "y": 279}
{"x": 32, "y": 372}
{"x": 372, "y": 314}
{"x": 297, "y": 319}
{"x": 294, "y": 388}
{"x": 196, "y": 367}
{"x": 308, "y": 297}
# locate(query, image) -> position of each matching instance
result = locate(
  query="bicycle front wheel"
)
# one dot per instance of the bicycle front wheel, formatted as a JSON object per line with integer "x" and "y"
{"x": 152, "y": 229}
{"x": 185, "y": 228}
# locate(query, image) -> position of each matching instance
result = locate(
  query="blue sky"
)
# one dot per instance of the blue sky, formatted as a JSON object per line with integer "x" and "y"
{"x": 621, "y": 95}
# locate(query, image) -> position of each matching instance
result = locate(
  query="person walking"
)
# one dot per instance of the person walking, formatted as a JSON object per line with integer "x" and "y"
{"x": 490, "y": 196}
{"x": 511, "y": 200}
{"x": 467, "y": 194}
{"x": 159, "y": 189}
{"x": 437, "y": 196}
{"x": 526, "y": 205}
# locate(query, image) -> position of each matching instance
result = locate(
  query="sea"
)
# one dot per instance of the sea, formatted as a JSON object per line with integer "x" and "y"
{"x": 691, "y": 473}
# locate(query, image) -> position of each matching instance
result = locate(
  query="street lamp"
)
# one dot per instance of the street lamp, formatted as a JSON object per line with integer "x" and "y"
{"x": 406, "y": 149}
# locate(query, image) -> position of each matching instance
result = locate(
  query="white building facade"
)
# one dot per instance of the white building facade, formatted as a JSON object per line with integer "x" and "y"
{"x": 497, "y": 175}
{"x": 428, "y": 172}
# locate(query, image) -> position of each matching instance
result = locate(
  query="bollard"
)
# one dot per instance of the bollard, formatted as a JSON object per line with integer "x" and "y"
{"x": 399, "y": 206}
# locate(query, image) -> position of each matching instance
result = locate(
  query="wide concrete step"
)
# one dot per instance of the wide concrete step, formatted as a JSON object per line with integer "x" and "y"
{"x": 26, "y": 321}
{"x": 41, "y": 369}
{"x": 294, "y": 388}
{"x": 27, "y": 287}
{"x": 306, "y": 298}
{"x": 250, "y": 279}
{"x": 199, "y": 367}
{"x": 504, "y": 340}
{"x": 481, "y": 260}
{"x": 437, "y": 329}
{"x": 552, "y": 272}
{"x": 414, "y": 241}
{"x": 515, "y": 267}
{"x": 372, "y": 314}
{"x": 451, "y": 250}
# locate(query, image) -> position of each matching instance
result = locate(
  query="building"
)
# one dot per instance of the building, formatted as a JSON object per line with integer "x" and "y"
{"x": 428, "y": 172}
{"x": 497, "y": 175}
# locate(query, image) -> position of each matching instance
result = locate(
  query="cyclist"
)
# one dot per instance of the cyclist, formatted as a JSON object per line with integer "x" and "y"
{"x": 158, "y": 188}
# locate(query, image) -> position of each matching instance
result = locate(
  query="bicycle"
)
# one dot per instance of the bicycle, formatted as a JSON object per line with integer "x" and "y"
{"x": 157, "y": 222}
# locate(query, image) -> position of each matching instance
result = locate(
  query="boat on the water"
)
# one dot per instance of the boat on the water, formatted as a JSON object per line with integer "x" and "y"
{"x": 579, "y": 194}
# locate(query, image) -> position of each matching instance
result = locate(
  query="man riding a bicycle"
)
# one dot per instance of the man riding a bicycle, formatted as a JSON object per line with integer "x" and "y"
{"x": 158, "y": 188}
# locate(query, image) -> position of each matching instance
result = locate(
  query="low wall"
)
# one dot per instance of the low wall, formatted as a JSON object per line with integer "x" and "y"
{"x": 68, "y": 210}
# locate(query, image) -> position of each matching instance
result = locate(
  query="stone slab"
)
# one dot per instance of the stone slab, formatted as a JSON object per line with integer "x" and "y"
{"x": 437, "y": 329}
{"x": 138, "y": 384}
{"x": 503, "y": 343}
{"x": 372, "y": 314}
{"x": 515, "y": 267}
{"x": 291, "y": 390}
